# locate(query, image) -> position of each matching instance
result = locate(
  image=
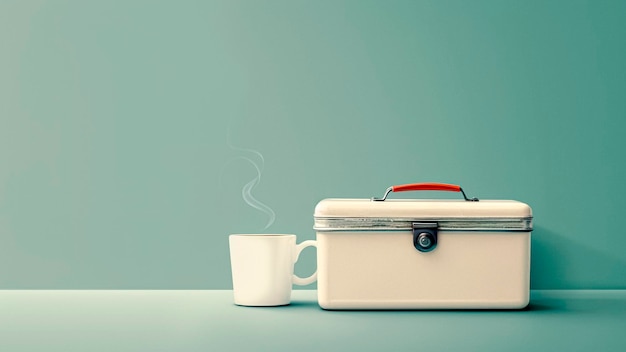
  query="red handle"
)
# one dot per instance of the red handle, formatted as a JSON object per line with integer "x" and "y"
{"x": 426, "y": 186}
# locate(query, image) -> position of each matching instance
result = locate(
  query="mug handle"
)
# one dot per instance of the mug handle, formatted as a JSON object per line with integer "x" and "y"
{"x": 307, "y": 280}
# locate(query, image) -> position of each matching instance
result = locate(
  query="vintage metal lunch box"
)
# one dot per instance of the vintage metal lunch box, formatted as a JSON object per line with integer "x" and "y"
{"x": 384, "y": 253}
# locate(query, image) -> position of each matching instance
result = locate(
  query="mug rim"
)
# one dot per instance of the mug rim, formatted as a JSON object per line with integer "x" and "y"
{"x": 276, "y": 235}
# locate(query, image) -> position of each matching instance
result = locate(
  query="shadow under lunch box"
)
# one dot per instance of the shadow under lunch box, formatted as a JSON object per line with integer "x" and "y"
{"x": 423, "y": 254}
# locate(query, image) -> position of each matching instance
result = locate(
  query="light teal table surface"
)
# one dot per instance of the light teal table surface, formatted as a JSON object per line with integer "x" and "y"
{"x": 167, "y": 320}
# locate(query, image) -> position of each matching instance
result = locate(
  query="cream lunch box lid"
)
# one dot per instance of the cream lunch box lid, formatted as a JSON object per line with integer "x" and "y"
{"x": 341, "y": 214}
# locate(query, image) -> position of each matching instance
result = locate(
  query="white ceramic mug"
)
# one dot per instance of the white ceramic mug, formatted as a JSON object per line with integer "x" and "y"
{"x": 262, "y": 268}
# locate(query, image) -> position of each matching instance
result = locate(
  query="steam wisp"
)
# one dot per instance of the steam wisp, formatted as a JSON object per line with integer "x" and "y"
{"x": 246, "y": 191}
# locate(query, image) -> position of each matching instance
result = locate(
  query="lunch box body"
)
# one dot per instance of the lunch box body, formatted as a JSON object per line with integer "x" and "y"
{"x": 423, "y": 254}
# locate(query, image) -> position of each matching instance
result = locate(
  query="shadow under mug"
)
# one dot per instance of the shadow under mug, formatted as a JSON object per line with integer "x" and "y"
{"x": 262, "y": 268}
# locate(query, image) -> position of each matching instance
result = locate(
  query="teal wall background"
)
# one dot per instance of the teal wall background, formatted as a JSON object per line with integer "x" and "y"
{"x": 115, "y": 116}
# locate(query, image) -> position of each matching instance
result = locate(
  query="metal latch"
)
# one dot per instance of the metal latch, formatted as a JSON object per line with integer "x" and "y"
{"x": 425, "y": 236}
